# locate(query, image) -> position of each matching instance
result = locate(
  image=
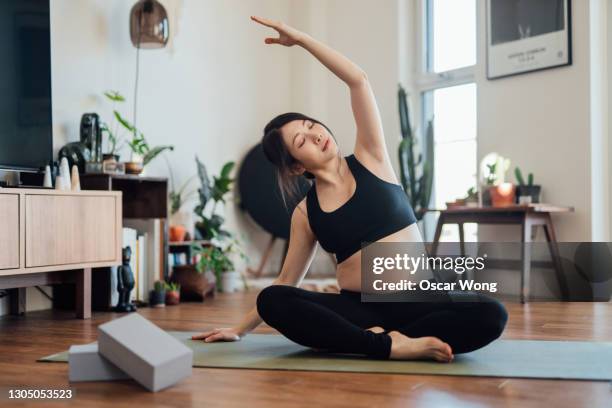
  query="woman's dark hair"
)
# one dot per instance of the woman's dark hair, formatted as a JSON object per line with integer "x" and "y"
{"x": 276, "y": 151}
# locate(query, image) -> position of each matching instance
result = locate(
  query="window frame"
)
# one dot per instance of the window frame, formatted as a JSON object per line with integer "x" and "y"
{"x": 426, "y": 80}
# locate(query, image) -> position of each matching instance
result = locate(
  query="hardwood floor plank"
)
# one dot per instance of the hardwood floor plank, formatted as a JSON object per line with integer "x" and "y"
{"x": 23, "y": 339}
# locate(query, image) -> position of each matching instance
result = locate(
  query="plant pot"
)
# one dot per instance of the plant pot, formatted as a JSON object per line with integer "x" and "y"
{"x": 528, "y": 194}
{"x": 134, "y": 167}
{"x": 173, "y": 297}
{"x": 230, "y": 282}
{"x": 176, "y": 233}
{"x": 502, "y": 195}
{"x": 157, "y": 298}
{"x": 108, "y": 156}
{"x": 486, "y": 196}
{"x": 184, "y": 218}
{"x": 194, "y": 285}
{"x": 201, "y": 232}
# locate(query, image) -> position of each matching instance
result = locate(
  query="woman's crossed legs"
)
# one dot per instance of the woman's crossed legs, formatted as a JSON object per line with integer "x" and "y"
{"x": 339, "y": 322}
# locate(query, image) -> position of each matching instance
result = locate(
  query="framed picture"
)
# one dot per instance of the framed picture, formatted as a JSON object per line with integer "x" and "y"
{"x": 527, "y": 35}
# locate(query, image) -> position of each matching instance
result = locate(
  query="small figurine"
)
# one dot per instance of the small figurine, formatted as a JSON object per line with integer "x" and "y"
{"x": 74, "y": 179}
{"x": 47, "y": 180}
{"x": 125, "y": 283}
{"x": 59, "y": 183}
{"x": 65, "y": 173}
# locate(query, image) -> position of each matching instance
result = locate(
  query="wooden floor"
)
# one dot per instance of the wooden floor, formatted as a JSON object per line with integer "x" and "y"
{"x": 24, "y": 339}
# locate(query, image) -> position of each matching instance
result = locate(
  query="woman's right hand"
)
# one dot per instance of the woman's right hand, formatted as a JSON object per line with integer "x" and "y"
{"x": 287, "y": 35}
{"x": 221, "y": 334}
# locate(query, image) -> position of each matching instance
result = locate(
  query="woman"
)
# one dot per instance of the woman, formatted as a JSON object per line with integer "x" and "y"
{"x": 338, "y": 213}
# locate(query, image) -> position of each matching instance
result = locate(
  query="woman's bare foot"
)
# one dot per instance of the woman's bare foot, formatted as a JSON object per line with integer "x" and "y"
{"x": 421, "y": 348}
{"x": 376, "y": 329}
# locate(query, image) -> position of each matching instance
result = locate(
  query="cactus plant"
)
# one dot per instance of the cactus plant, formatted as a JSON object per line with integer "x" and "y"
{"x": 416, "y": 175}
{"x": 160, "y": 286}
{"x": 519, "y": 177}
{"x": 173, "y": 287}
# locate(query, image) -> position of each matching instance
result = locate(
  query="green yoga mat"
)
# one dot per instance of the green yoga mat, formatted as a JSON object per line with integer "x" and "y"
{"x": 568, "y": 360}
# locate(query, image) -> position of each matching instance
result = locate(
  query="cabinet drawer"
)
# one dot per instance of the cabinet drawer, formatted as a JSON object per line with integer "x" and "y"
{"x": 64, "y": 229}
{"x": 9, "y": 231}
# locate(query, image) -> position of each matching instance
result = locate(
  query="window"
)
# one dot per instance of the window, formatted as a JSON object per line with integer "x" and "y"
{"x": 451, "y": 34}
{"x": 448, "y": 96}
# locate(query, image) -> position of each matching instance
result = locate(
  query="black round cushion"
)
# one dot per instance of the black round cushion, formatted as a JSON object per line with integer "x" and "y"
{"x": 260, "y": 195}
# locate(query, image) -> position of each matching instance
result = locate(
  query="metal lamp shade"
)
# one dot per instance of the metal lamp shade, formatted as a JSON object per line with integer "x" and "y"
{"x": 148, "y": 24}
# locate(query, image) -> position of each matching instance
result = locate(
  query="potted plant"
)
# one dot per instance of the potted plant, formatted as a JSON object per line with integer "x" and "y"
{"x": 210, "y": 223}
{"x": 157, "y": 297}
{"x": 142, "y": 153}
{"x": 180, "y": 221}
{"x": 112, "y": 132}
{"x": 471, "y": 199}
{"x": 173, "y": 293}
{"x": 195, "y": 285}
{"x": 218, "y": 260}
{"x": 526, "y": 193}
{"x": 497, "y": 192}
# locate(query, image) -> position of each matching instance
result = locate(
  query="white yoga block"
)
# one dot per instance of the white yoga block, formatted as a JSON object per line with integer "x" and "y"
{"x": 147, "y": 353}
{"x": 86, "y": 364}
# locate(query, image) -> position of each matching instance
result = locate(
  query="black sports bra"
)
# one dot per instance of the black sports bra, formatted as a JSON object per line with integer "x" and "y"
{"x": 376, "y": 209}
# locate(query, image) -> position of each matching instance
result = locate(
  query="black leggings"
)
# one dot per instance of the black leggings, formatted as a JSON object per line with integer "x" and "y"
{"x": 338, "y": 322}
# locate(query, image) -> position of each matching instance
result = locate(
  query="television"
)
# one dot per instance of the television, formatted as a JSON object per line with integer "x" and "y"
{"x": 26, "y": 142}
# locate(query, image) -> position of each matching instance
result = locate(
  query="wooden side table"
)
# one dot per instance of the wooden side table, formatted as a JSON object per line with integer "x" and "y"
{"x": 527, "y": 216}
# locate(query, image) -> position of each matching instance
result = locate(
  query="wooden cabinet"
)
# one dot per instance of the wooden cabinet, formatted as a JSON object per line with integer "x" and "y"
{"x": 9, "y": 231}
{"x": 65, "y": 230}
{"x": 49, "y": 236}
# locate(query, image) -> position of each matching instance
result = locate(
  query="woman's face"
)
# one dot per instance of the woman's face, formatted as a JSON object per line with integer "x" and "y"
{"x": 309, "y": 143}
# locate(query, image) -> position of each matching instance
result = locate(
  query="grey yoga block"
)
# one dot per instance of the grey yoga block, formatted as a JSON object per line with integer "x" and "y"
{"x": 147, "y": 353}
{"x": 86, "y": 364}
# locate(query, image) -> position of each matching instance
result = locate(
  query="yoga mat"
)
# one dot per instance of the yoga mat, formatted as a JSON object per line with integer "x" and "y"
{"x": 567, "y": 360}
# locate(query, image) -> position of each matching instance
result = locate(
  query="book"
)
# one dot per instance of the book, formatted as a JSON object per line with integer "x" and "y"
{"x": 151, "y": 251}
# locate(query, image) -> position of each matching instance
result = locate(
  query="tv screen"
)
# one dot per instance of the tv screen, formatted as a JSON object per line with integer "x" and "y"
{"x": 25, "y": 85}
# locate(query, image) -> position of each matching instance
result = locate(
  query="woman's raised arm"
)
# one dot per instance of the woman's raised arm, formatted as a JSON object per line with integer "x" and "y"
{"x": 370, "y": 136}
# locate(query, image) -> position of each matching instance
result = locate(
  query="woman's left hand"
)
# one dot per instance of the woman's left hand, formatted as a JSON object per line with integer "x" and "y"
{"x": 287, "y": 36}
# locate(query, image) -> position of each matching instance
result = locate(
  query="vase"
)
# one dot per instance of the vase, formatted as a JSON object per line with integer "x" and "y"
{"x": 185, "y": 219}
{"x": 502, "y": 195}
{"x": 176, "y": 233}
{"x": 173, "y": 297}
{"x": 194, "y": 285}
{"x": 230, "y": 282}
{"x": 157, "y": 298}
{"x": 528, "y": 194}
{"x": 134, "y": 167}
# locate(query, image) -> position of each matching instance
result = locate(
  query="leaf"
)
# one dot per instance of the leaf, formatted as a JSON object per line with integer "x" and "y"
{"x": 154, "y": 152}
{"x": 227, "y": 168}
{"x": 114, "y": 96}
{"x": 204, "y": 190}
{"x": 124, "y": 122}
